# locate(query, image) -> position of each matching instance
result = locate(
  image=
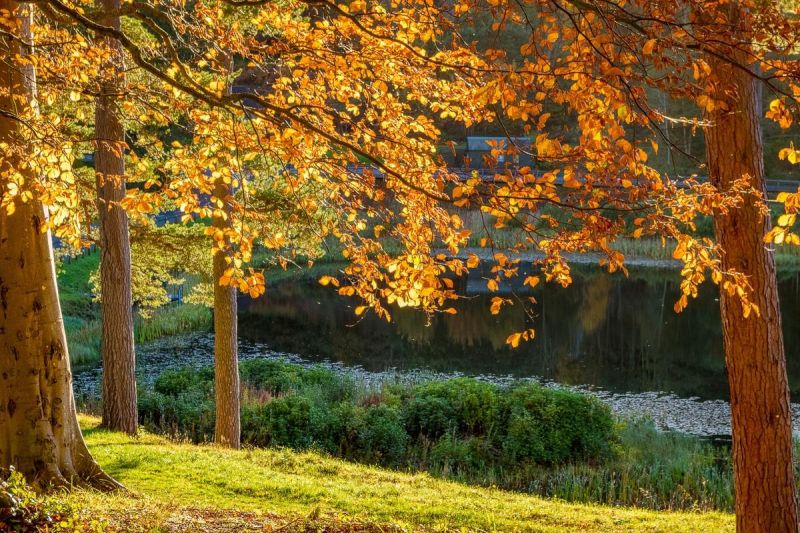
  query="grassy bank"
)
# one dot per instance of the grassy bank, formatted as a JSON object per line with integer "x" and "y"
{"x": 553, "y": 443}
{"x": 82, "y": 315}
{"x": 183, "y": 487}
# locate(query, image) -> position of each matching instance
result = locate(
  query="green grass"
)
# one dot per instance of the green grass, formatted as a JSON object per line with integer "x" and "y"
{"x": 461, "y": 430}
{"x": 175, "y": 481}
{"x": 83, "y": 336}
{"x": 172, "y": 320}
{"x": 74, "y": 289}
{"x": 82, "y": 314}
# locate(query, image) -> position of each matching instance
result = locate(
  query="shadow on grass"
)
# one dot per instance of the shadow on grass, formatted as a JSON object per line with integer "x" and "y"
{"x": 122, "y": 465}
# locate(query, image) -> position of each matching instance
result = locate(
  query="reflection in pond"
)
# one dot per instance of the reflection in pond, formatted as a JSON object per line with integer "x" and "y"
{"x": 606, "y": 331}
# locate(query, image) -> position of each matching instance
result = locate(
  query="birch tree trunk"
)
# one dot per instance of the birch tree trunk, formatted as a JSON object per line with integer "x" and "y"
{"x": 39, "y": 432}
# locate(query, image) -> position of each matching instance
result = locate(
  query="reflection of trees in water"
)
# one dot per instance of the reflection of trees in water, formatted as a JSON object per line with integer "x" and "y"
{"x": 618, "y": 333}
{"x": 473, "y": 326}
{"x": 413, "y": 325}
{"x": 595, "y": 303}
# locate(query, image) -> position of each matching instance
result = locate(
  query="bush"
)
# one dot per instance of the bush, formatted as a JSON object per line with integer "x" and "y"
{"x": 451, "y": 455}
{"x": 553, "y": 426}
{"x": 269, "y": 375}
{"x": 380, "y": 435}
{"x": 175, "y": 382}
{"x": 462, "y": 427}
{"x": 279, "y": 377}
{"x": 284, "y": 421}
{"x": 22, "y": 511}
{"x": 334, "y": 429}
{"x": 181, "y": 404}
{"x": 466, "y": 406}
{"x": 429, "y": 416}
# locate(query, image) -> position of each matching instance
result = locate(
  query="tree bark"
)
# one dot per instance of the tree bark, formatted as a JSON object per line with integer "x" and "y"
{"x": 226, "y": 365}
{"x": 227, "y": 428}
{"x": 119, "y": 359}
{"x": 754, "y": 354}
{"x": 39, "y": 432}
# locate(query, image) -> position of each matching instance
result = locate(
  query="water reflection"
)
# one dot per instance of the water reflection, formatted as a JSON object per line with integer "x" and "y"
{"x": 616, "y": 333}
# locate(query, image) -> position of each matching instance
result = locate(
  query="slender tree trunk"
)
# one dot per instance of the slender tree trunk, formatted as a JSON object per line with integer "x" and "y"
{"x": 119, "y": 359}
{"x": 39, "y": 432}
{"x": 754, "y": 355}
{"x": 227, "y": 430}
{"x": 226, "y": 366}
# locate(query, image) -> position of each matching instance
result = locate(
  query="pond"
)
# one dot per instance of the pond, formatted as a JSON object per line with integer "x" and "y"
{"x": 615, "y": 337}
{"x": 607, "y": 331}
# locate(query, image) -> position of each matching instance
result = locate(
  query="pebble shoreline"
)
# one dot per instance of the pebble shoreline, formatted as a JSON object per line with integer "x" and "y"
{"x": 709, "y": 418}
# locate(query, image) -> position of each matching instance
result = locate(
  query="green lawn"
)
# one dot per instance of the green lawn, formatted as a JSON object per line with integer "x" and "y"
{"x": 183, "y": 487}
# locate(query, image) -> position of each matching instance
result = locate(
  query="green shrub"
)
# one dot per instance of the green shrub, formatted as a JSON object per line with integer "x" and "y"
{"x": 186, "y": 409}
{"x": 430, "y": 416}
{"x": 380, "y": 435}
{"x": 283, "y": 421}
{"x": 270, "y": 375}
{"x": 279, "y": 377}
{"x": 453, "y": 456}
{"x": 466, "y": 406}
{"x": 21, "y": 510}
{"x": 553, "y": 426}
{"x": 333, "y": 428}
{"x": 175, "y": 382}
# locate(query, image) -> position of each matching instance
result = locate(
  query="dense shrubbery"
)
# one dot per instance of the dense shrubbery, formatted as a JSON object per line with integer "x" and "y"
{"x": 181, "y": 403}
{"x": 526, "y": 437}
{"x": 313, "y": 407}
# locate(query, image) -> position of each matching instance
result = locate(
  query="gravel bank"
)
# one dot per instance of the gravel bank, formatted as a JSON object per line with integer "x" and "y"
{"x": 669, "y": 412}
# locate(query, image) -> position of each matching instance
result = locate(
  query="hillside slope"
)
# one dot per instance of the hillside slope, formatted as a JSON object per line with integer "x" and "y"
{"x": 183, "y": 487}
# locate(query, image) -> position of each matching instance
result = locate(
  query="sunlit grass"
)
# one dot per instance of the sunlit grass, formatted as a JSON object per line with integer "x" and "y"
{"x": 178, "y": 479}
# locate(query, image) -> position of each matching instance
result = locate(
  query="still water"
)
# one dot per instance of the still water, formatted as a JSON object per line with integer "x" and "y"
{"x": 606, "y": 331}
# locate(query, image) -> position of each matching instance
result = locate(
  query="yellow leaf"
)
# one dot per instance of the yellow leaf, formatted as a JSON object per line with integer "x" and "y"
{"x": 532, "y": 281}
{"x": 329, "y": 280}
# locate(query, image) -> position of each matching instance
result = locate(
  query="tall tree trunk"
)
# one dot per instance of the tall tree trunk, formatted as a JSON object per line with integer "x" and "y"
{"x": 754, "y": 355}
{"x": 226, "y": 366}
{"x": 227, "y": 429}
{"x": 119, "y": 359}
{"x": 39, "y": 432}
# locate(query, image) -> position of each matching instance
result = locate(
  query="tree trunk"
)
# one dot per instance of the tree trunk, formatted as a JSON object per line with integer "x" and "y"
{"x": 39, "y": 432}
{"x": 226, "y": 365}
{"x": 227, "y": 430}
{"x": 759, "y": 392}
{"x": 119, "y": 359}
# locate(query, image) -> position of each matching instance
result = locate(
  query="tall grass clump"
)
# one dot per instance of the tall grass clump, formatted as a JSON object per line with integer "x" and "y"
{"x": 172, "y": 320}
{"x": 83, "y": 336}
{"x": 83, "y": 340}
